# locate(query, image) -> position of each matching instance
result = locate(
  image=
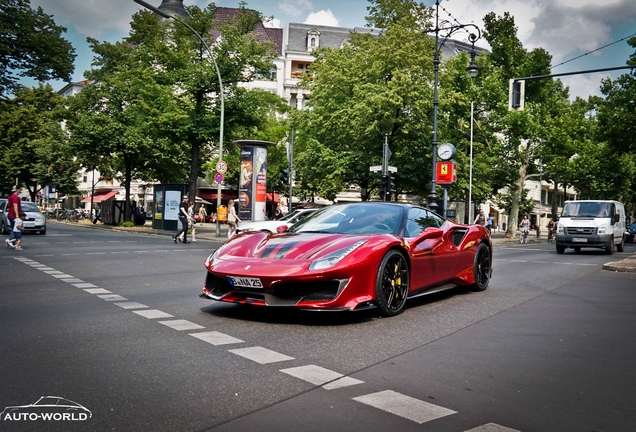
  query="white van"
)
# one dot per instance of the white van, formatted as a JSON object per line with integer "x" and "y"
{"x": 591, "y": 223}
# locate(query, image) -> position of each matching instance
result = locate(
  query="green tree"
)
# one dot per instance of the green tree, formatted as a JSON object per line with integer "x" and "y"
{"x": 31, "y": 45}
{"x": 34, "y": 146}
{"x": 371, "y": 88}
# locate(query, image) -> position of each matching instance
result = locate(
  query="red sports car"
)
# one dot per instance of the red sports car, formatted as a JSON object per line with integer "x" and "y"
{"x": 351, "y": 257}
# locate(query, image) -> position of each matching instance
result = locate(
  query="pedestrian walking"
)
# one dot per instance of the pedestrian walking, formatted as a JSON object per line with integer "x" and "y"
{"x": 203, "y": 214}
{"x": 279, "y": 213}
{"x": 232, "y": 219}
{"x": 18, "y": 227}
{"x": 183, "y": 218}
{"x": 480, "y": 219}
{"x": 489, "y": 221}
{"x": 15, "y": 208}
{"x": 191, "y": 223}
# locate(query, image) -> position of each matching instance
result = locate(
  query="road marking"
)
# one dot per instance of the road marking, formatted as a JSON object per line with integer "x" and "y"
{"x": 53, "y": 272}
{"x": 562, "y": 263}
{"x": 98, "y": 291}
{"x": 181, "y": 325}
{"x": 72, "y": 280}
{"x": 519, "y": 260}
{"x": 131, "y": 305}
{"x": 216, "y": 338}
{"x": 260, "y": 355}
{"x": 62, "y": 276}
{"x": 404, "y": 406}
{"x": 491, "y": 427}
{"x": 152, "y": 314}
{"x": 318, "y": 376}
{"x": 540, "y": 262}
{"x": 112, "y": 297}
{"x": 72, "y": 254}
{"x": 84, "y": 285}
{"x": 95, "y": 253}
{"x": 44, "y": 269}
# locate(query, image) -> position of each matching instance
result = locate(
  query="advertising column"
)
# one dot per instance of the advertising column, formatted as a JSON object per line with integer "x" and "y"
{"x": 253, "y": 180}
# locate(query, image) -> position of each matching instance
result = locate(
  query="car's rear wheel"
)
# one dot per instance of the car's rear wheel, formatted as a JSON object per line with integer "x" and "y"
{"x": 482, "y": 268}
{"x": 392, "y": 284}
{"x": 3, "y": 228}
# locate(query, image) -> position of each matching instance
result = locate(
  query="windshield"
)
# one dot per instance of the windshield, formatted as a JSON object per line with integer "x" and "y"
{"x": 587, "y": 209}
{"x": 358, "y": 218}
{"x": 28, "y": 206}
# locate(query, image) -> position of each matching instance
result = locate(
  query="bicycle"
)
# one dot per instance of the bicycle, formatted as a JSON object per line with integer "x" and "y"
{"x": 524, "y": 236}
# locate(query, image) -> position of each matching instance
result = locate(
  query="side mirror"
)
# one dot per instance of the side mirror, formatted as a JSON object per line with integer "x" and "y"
{"x": 427, "y": 234}
{"x": 616, "y": 218}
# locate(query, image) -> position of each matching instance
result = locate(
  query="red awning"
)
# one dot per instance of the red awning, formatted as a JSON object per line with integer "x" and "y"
{"x": 100, "y": 196}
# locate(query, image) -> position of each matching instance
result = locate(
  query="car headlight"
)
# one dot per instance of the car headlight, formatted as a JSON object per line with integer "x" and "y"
{"x": 39, "y": 219}
{"x": 335, "y": 257}
{"x": 212, "y": 257}
{"x": 560, "y": 229}
{"x": 601, "y": 229}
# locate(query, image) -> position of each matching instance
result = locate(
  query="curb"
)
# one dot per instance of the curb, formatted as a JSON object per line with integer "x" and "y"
{"x": 626, "y": 265}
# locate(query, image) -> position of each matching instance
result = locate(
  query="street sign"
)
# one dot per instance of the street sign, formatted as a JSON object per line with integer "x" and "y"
{"x": 391, "y": 168}
{"x": 218, "y": 178}
{"x": 221, "y": 168}
{"x": 375, "y": 168}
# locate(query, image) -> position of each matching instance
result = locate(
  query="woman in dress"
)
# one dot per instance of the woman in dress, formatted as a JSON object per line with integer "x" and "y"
{"x": 232, "y": 219}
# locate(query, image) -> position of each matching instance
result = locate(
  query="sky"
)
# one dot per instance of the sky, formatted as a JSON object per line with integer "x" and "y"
{"x": 567, "y": 29}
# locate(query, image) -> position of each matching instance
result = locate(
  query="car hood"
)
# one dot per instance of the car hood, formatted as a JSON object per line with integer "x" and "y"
{"x": 255, "y": 226}
{"x": 290, "y": 246}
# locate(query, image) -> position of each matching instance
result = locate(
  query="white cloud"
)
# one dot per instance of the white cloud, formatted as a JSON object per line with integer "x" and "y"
{"x": 273, "y": 23}
{"x": 295, "y": 7}
{"x": 90, "y": 17}
{"x": 323, "y": 17}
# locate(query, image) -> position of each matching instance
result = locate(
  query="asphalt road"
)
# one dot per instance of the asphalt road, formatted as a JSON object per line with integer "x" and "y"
{"x": 113, "y": 321}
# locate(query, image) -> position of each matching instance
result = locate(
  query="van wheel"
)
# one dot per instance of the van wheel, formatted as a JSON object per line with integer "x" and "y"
{"x": 560, "y": 249}
{"x": 577, "y": 249}
{"x": 621, "y": 246}
{"x": 609, "y": 247}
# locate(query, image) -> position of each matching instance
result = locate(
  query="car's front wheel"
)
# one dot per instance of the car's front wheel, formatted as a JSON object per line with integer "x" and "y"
{"x": 621, "y": 246}
{"x": 392, "y": 284}
{"x": 482, "y": 268}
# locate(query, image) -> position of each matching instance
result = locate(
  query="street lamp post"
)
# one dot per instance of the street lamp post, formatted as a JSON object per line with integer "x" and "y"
{"x": 448, "y": 29}
{"x": 221, "y": 96}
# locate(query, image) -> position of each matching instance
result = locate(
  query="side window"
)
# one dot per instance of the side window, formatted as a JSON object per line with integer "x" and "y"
{"x": 420, "y": 219}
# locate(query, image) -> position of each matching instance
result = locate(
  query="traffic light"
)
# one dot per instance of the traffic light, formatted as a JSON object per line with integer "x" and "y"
{"x": 516, "y": 95}
{"x": 284, "y": 175}
{"x": 385, "y": 187}
{"x": 390, "y": 187}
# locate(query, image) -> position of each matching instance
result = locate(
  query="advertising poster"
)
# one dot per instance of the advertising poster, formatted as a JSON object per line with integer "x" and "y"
{"x": 260, "y": 190}
{"x": 158, "y": 205}
{"x": 173, "y": 198}
{"x": 246, "y": 183}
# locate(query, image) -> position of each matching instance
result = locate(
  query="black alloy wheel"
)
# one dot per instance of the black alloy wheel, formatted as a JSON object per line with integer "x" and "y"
{"x": 482, "y": 268}
{"x": 392, "y": 284}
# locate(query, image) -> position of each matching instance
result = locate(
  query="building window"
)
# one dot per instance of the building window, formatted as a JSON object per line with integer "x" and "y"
{"x": 85, "y": 179}
{"x": 313, "y": 42}
{"x": 313, "y": 39}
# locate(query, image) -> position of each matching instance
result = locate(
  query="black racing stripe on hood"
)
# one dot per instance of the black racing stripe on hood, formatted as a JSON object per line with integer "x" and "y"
{"x": 282, "y": 251}
{"x": 268, "y": 251}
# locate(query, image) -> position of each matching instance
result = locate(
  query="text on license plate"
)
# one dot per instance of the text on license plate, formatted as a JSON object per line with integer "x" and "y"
{"x": 245, "y": 282}
{"x": 579, "y": 240}
{"x": 29, "y": 224}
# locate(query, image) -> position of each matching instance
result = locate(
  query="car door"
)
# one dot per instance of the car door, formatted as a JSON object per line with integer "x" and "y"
{"x": 433, "y": 260}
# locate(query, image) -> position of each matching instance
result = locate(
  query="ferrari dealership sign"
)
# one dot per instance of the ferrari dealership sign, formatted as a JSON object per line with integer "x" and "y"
{"x": 446, "y": 172}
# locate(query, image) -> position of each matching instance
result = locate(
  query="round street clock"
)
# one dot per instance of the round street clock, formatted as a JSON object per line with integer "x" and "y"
{"x": 446, "y": 151}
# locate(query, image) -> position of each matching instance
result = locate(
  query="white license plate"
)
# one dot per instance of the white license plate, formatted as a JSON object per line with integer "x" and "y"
{"x": 245, "y": 282}
{"x": 579, "y": 240}
{"x": 29, "y": 224}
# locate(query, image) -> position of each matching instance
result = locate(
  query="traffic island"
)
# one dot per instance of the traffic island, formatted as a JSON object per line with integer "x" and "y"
{"x": 625, "y": 265}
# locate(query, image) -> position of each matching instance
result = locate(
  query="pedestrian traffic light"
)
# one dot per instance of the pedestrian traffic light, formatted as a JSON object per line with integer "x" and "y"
{"x": 384, "y": 187}
{"x": 284, "y": 175}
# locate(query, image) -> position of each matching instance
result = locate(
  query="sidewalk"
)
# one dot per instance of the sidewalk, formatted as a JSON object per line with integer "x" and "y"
{"x": 207, "y": 232}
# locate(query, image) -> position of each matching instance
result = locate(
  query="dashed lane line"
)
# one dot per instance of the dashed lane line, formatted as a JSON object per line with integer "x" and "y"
{"x": 317, "y": 375}
{"x": 404, "y": 406}
{"x": 153, "y": 314}
{"x": 260, "y": 355}
{"x": 216, "y": 338}
{"x": 182, "y": 325}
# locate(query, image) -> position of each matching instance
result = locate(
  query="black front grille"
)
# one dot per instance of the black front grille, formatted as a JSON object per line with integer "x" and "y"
{"x": 218, "y": 286}
{"x": 307, "y": 291}
{"x": 580, "y": 231}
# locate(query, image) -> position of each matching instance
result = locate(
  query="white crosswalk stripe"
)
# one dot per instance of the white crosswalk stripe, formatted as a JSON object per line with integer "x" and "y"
{"x": 260, "y": 355}
{"x": 131, "y": 305}
{"x": 216, "y": 338}
{"x": 152, "y": 313}
{"x": 404, "y": 406}
{"x": 181, "y": 325}
{"x": 318, "y": 375}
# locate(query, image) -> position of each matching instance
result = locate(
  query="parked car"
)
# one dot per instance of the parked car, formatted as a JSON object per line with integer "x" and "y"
{"x": 275, "y": 225}
{"x": 35, "y": 220}
{"x": 4, "y": 220}
{"x": 631, "y": 233}
{"x": 351, "y": 257}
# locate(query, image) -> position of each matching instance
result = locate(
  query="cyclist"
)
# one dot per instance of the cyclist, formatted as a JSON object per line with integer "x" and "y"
{"x": 525, "y": 229}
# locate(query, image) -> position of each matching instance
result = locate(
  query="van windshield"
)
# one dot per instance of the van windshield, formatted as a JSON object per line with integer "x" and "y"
{"x": 587, "y": 209}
